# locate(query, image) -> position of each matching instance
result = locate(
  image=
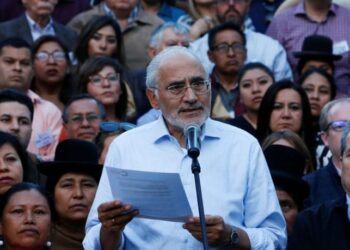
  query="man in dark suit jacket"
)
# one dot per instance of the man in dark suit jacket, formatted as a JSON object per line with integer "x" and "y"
{"x": 37, "y": 21}
{"x": 65, "y": 10}
{"x": 325, "y": 183}
{"x": 327, "y": 226}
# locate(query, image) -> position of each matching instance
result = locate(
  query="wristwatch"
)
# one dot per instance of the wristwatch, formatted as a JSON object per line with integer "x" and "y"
{"x": 234, "y": 238}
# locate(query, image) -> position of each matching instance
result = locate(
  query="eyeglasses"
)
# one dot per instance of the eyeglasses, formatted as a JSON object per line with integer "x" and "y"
{"x": 200, "y": 87}
{"x": 224, "y": 48}
{"x": 337, "y": 126}
{"x": 57, "y": 56}
{"x": 229, "y": 1}
{"x": 112, "y": 78}
{"x": 111, "y": 127}
{"x": 78, "y": 119}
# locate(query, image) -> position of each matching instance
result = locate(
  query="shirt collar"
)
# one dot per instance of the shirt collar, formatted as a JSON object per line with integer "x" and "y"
{"x": 209, "y": 131}
{"x": 34, "y": 26}
{"x": 300, "y": 10}
{"x": 134, "y": 13}
{"x": 217, "y": 83}
{"x": 34, "y": 97}
{"x": 164, "y": 10}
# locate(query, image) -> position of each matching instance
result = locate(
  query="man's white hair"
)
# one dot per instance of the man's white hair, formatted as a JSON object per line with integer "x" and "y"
{"x": 152, "y": 78}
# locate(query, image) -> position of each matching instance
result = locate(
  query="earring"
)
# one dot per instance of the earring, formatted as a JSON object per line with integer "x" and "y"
{"x": 48, "y": 243}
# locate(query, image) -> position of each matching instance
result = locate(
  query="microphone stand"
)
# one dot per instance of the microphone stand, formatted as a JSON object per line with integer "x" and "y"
{"x": 196, "y": 169}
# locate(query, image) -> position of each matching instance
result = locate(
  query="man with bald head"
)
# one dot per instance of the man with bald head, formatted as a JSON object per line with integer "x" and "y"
{"x": 236, "y": 176}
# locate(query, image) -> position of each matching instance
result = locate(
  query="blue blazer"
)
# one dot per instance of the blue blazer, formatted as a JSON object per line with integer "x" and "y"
{"x": 324, "y": 184}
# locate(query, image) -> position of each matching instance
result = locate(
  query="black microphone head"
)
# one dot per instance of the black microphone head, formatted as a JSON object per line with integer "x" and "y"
{"x": 192, "y": 133}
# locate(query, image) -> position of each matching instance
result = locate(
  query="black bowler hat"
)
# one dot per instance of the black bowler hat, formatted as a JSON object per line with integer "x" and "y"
{"x": 317, "y": 47}
{"x": 287, "y": 167}
{"x": 72, "y": 155}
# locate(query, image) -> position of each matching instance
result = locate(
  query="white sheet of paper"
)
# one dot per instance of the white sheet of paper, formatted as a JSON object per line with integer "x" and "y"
{"x": 156, "y": 195}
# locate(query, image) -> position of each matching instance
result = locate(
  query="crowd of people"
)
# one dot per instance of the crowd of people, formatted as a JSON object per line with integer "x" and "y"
{"x": 87, "y": 84}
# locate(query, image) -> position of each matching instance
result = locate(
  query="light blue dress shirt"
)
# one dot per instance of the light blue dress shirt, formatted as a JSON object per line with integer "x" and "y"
{"x": 235, "y": 180}
{"x": 37, "y": 31}
{"x": 260, "y": 48}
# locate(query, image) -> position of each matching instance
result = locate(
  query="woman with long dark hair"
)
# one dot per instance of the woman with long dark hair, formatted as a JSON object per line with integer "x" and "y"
{"x": 285, "y": 106}
{"x": 13, "y": 162}
{"x": 101, "y": 36}
{"x": 102, "y": 77}
{"x": 253, "y": 81}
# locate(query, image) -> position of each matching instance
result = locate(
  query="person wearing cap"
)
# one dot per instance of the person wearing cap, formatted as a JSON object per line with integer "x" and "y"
{"x": 287, "y": 165}
{"x": 72, "y": 180}
{"x": 316, "y": 52}
{"x": 321, "y": 17}
{"x": 327, "y": 226}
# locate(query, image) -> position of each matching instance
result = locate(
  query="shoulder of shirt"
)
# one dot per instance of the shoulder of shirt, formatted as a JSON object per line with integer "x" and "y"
{"x": 253, "y": 35}
{"x": 148, "y": 18}
{"x": 199, "y": 41}
{"x": 213, "y": 129}
{"x": 221, "y": 129}
{"x": 22, "y": 18}
{"x": 96, "y": 10}
{"x": 146, "y": 132}
{"x": 341, "y": 7}
{"x": 47, "y": 105}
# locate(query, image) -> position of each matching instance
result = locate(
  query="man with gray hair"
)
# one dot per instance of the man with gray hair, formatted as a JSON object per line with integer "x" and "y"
{"x": 325, "y": 183}
{"x": 166, "y": 35}
{"x": 82, "y": 116}
{"x": 327, "y": 225}
{"x": 237, "y": 189}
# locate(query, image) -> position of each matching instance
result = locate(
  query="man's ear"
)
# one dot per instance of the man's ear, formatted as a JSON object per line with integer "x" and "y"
{"x": 324, "y": 137}
{"x": 152, "y": 98}
{"x": 152, "y": 52}
{"x": 210, "y": 56}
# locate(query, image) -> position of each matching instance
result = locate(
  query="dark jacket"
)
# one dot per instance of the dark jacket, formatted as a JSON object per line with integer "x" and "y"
{"x": 19, "y": 27}
{"x": 324, "y": 226}
{"x": 324, "y": 184}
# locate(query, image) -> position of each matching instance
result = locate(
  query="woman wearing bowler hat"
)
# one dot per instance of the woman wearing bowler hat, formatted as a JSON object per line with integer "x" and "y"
{"x": 317, "y": 52}
{"x": 73, "y": 177}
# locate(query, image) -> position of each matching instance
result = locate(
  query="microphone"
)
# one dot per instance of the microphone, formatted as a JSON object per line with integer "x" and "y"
{"x": 192, "y": 134}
